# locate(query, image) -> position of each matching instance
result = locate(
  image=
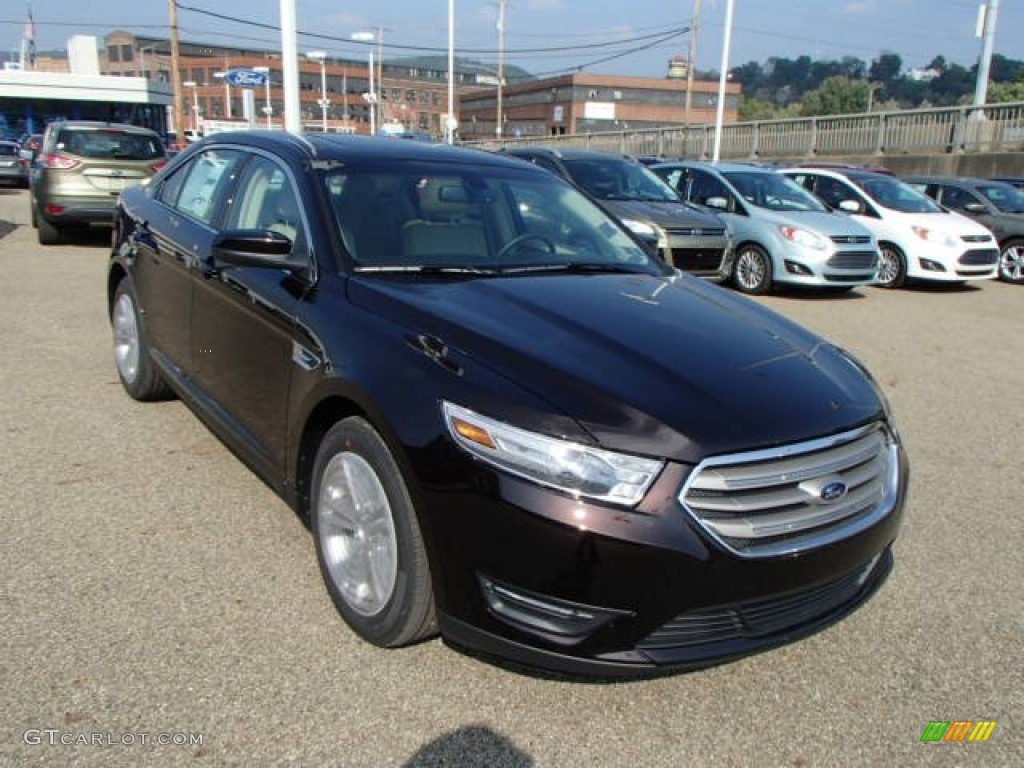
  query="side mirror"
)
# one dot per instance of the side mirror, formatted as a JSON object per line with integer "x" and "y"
{"x": 850, "y": 206}
{"x": 717, "y": 202}
{"x": 251, "y": 248}
{"x": 975, "y": 208}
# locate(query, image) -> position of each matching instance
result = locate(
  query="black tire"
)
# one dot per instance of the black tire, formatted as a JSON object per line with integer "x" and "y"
{"x": 135, "y": 368}
{"x": 34, "y": 215}
{"x": 371, "y": 554}
{"x": 1011, "y": 262}
{"x": 48, "y": 233}
{"x": 892, "y": 272}
{"x": 752, "y": 270}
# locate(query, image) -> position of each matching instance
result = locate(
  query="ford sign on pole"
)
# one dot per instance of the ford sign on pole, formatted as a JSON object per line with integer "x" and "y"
{"x": 247, "y": 78}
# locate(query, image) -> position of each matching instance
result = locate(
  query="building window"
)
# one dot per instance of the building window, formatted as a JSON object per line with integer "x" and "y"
{"x": 113, "y": 53}
{"x": 127, "y": 54}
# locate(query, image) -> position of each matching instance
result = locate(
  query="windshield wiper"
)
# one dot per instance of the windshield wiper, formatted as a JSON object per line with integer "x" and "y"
{"x": 424, "y": 269}
{"x": 575, "y": 267}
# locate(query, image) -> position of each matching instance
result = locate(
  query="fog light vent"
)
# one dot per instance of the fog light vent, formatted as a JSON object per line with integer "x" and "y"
{"x": 559, "y": 621}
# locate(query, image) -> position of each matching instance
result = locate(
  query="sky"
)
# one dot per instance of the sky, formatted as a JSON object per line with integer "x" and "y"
{"x": 623, "y": 37}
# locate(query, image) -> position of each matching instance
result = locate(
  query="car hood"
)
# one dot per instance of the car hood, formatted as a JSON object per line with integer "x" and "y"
{"x": 946, "y": 222}
{"x": 666, "y": 366}
{"x": 664, "y": 214}
{"x": 823, "y": 222}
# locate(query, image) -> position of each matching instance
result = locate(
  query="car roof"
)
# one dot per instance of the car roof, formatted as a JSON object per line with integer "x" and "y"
{"x": 966, "y": 181}
{"x": 99, "y": 125}
{"x": 854, "y": 174}
{"x": 571, "y": 153}
{"x": 727, "y": 167}
{"x": 315, "y": 147}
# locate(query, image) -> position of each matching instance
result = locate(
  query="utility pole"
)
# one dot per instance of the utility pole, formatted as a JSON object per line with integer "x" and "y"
{"x": 987, "y": 31}
{"x": 179, "y": 124}
{"x": 290, "y": 67}
{"x": 691, "y": 61}
{"x": 723, "y": 76}
{"x": 502, "y": 15}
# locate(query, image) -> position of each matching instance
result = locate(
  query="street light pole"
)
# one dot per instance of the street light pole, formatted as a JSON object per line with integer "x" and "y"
{"x": 449, "y": 127}
{"x": 371, "y": 96}
{"x": 321, "y": 56}
{"x": 723, "y": 76}
{"x": 268, "y": 110}
{"x": 227, "y": 92}
{"x": 502, "y": 15}
{"x": 195, "y": 103}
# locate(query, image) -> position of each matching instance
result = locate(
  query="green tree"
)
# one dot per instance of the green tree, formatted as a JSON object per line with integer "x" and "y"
{"x": 837, "y": 96}
{"x": 1003, "y": 92}
{"x": 886, "y": 68}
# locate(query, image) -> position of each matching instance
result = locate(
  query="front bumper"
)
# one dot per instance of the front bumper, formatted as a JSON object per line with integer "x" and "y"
{"x": 806, "y": 266}
{"x": 586, "y": 589}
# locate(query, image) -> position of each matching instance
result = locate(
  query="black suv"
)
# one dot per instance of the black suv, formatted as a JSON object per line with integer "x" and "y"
{"x": 505, "y": 419}
{"x": 687, "y": 237}
{"x": 996, "y": 204}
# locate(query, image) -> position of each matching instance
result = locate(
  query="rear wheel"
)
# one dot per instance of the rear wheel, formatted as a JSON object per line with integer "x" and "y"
{"x": 752, "y": 272}
{"x": 368, "y": 540}
{"x": 892, "y": 271}
{"x": 49, "y": 234}
{"x": 1011, "y": 261}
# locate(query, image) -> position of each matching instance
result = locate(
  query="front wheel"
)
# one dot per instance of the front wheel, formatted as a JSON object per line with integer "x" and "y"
{"x": 367, "y": 536}
{"x": 1011, "y": 262}
{"x": 752, "y": 272}
{"x": 139, "y": 376}
{"x": 892, "y": 270}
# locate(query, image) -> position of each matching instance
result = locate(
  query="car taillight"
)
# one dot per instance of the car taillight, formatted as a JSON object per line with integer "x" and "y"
{"x": 60, "y": 162}
{"x": 157, "y": 166}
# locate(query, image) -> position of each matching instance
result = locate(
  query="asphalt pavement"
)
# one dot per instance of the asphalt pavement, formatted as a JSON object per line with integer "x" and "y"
{"x": 160, "y": 606}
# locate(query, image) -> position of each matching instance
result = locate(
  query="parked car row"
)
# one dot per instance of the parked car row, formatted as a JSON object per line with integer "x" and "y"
{"x": 829, "y": 226}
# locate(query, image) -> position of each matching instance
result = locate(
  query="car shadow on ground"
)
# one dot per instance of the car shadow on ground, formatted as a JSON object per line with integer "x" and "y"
{"x": 929, "y": 286}
{"x": 820, "y": 294}
{"x": 472, "y": 746}
{"x": 89, "y": 237}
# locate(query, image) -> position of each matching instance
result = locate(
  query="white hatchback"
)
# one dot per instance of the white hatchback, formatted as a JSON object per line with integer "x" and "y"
{"x": 918, "y": 238}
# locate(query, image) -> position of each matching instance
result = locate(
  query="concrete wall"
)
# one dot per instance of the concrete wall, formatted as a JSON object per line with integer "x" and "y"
{"x": 982, "y": 164}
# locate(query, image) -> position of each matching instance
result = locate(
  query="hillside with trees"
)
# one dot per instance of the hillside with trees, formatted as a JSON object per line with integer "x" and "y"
{"x": 783, "y": 87}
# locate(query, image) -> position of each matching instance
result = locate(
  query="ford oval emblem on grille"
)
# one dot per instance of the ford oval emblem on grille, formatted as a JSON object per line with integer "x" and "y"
{"x": 833, "y": 492}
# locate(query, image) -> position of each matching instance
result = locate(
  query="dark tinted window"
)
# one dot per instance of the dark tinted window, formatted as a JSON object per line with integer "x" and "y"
{"x": 110, "y": 144}
{"x": 1006, "y": 198}
{"x": 957, "y": 198}
{"x": 617, "y": 179}
{"x": 8, "y": 149}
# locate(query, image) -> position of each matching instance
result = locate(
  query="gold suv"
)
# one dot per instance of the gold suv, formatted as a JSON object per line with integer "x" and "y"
{"x": 81, "y": 169}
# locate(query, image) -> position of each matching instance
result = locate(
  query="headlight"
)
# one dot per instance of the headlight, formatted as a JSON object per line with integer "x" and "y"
{"x": 803, "y": 237}
{"x": 571, "y": 467}
{"x": 939, "y": 238}
{"x": 641, "y": 228}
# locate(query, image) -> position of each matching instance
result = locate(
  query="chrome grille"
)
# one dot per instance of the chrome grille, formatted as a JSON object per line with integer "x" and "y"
{"x": 853, "y": 260}
{"x": 851, "y": 238}
{"x": 795, "y": 497}
{"x": 694, "y": 232}
{"x": 976, "y": 238}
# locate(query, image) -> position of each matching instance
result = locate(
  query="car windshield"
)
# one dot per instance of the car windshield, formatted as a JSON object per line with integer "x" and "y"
{"x": 613, "y": 178}
{"x": 1004, "y": 197}
{"x": 897, "y": 195}
{"x": 772, "y": 191}
{"x": 109, "y": 143}
{"x": 475, "y": 220}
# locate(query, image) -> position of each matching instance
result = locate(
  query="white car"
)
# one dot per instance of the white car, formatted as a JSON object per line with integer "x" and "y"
{"x": 918, "y": 238}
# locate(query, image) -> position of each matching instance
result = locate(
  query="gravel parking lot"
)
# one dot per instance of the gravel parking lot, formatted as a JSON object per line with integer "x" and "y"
{"x": 153, "y": 585}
